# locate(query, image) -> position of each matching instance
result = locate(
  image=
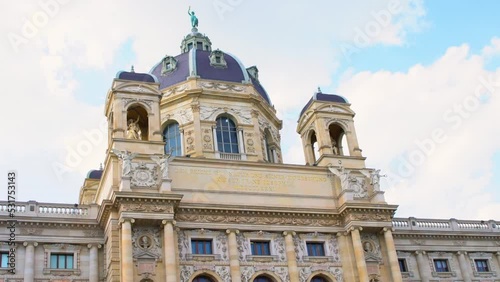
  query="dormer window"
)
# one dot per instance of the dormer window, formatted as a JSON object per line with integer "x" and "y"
{"x": 254, "y": 72}
{"x": 169, "y": 65}
{"x": 217, "y": 59}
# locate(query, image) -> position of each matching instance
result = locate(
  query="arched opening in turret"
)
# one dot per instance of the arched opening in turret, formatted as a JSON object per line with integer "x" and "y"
{"x": 320, "y": 278}
{"x": 313, "y": 140}
{"x": 337, "y": 139}
{"x": 269, "y": 148}
{"x": 264, "y": 278}
{"x": 137, "y": 123}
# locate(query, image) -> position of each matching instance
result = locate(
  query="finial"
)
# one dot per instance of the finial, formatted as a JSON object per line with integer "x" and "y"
{"x": 132, "y": 69}
{"x": 319, "y": 89}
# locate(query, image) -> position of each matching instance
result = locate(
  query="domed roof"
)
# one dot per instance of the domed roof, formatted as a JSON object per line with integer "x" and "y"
{"x": 319, "y": 96}
{"x": 201, "y": 62}
{"x": 132, "y": 75}
{"x": 95, "y": 174}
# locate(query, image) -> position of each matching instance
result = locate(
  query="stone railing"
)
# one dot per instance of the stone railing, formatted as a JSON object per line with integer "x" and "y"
{"x": 229, "y": 156}
{"x": 401, "y": 224}
{"x": 36, "y": 209}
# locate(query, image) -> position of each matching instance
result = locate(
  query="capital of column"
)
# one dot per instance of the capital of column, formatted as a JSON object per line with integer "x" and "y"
{"x": 236, "y": 231}
{"x": 385, "y": 229}
{"x": 293, "y": 233}
{"x": 255, "y": 113}
{"x": 167, "y": 221}
{"x": 94, "y": 245}
{"x": 460, "y": 253}
{"x": 123, "y": 220}
{"x": 420, "y": 252}
{"x": 340, "y": 234}
{"x": 359, "y": 228}
{"x": 30, "y": 243}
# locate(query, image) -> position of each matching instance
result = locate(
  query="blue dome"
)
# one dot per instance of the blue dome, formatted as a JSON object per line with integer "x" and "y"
{"x": 196, "y": 62}
{"x": 94, "y": 174}
{"x": 134, "y": 76}
{"x": 318, "y": 96}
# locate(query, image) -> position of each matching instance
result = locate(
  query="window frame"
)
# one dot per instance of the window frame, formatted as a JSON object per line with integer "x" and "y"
{"x": 315, "y": 243}
{"x": 58, "y": 256}
{"x": 403, "y": 265}
{"x": 220, "y": 131}
{"x": 206, "y": 242}
{"x": 440, "y": 269}
{"x": 266, "y": 243}
{"x": 6, "y": 253}
{"x": 176, "y": 136}
{"x": 486, "y": 262}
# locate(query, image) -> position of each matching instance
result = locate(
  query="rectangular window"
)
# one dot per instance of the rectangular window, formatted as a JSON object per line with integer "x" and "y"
{"x": 199, "y": 45}
{"x": 482, "y": 265}
{"x": 4, "y": 259}
{"x": 260, "y": 248}
{"x": 315, "y": 249}
{"x": 441, "y": 265}
{"x": 61, "y": 261}
{"x": 402, "y": 265}
{"x": 201, "y": 247}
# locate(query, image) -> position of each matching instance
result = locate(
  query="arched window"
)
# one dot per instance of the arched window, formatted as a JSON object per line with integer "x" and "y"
{"x": 172, "y": 138}
{"x": 202, "y": 279}
{"x": 337, "y": 135}
{"x": 262, "y": 278}
{"x": 227, "y": 136}
{"x": 318, "y": 279}
{"x": 314, "y": 145}
{"x": 267, "y": 143}
{"x": 137, "y": 123}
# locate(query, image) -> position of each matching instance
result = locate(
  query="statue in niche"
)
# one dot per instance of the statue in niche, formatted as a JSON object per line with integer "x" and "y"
{"x": 368, "y": 247}
{"x": 163, "y": 162}
{"x": 194, "y": 19}
{"x": 133, "y": 129}
{"x": 334, "y": 146}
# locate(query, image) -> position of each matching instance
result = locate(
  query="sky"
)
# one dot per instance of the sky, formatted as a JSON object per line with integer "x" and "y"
{"x": 422, "y": 76}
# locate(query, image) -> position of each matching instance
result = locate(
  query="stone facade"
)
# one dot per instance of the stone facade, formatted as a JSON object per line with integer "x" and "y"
{"x": 209, "y": 214}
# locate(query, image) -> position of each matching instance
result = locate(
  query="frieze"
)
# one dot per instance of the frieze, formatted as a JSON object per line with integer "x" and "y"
{"x": 128, "y": 101}
{"x": 30, "y": 231}
{"x": 207, "y": 113}
{"x": 142, "y": 207}
{"x": 368, "y": 216}
{"x": 175, "y": 90}
{"x": 220, "y": 86}
{"x": 257, "y": 220}
{"x": 182, "y": 116}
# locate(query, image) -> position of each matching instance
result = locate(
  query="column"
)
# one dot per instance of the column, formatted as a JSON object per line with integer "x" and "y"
{"x": 275, "y": 156}
{"x": 183, "y": 151}
{"x": 422, "y": 266}
{"x": 93, "y": 262}
{"x": 291, "y": 256}
{"x": 234, "y": 255}
{"x": 498, "y": 257}
{"x": 169, "y": 247}
{"x": 463, "y": 266}
{"x": 29, "y": 261}
{"x": 359, "y": 254}
{"x": 393, "y": 256}
{"x": 127, "y": 261}
{"x": 240, "y": 141}
{"x": 216, "y": 146}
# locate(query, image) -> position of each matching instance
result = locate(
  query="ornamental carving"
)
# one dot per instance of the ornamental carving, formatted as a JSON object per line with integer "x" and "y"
{"x": 182, "y": 116}
{"x": 182, "y": 245}
{"x": 153, "y": 208}
{"x": 143, "y": 175}
{"x": 186, "y": 273}
{"x": 263, "y": 123}
{"x": 92, "y": 233}
{"x": 175, "y": 90}
{"x": 351, "y": 180}
{"x": 128, "y": 101}
{"x": 146, "y": 242}
{"x": 138, "y": 88}
{"x": 300, "y": 248}
{"x": 371, "y": 247}
{"x": 220, "y": 86}
{"x": 223, "y": 272}
{"x": 243, "y": 247}
{"x": 282, "y": 272}
{"x": 30, "y": 231}
{"x": 257, "y": 220}
{"x": 247, "y": 273}
{"x": 244, "y": 117}
{"x": 279, "y": 248}
{"x": 367, "y": 217}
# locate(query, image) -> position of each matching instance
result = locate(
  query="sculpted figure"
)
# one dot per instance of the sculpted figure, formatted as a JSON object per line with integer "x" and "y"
{"x": 194, "y": 19}
{"x": 133, "y": 130}
{"x": 163, "y": 162}
{"x": 126, "y": 157}
{"x": 334, "y": 146}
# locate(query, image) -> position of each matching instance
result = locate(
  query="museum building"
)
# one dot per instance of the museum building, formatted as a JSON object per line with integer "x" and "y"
{"x": 194, "y": 189}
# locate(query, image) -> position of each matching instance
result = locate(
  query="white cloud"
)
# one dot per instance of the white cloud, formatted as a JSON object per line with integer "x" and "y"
{"x": 398, "y": 111}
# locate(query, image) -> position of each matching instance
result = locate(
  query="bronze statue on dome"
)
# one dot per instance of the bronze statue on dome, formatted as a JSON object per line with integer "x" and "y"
{"x": 194, "y": 19}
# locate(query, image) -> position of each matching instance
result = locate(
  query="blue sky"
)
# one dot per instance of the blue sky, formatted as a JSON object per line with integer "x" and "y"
{"x": 428, "y": 59}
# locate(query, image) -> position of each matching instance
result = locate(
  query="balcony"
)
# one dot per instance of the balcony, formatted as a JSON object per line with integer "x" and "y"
{"x": 35, "y": 209}
{"x": 232, "y": 157}
{"x": 401, "y": 224}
